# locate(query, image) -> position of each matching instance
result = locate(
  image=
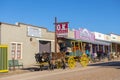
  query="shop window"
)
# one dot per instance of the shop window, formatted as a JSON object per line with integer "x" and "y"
{"x": 16, "y": 50}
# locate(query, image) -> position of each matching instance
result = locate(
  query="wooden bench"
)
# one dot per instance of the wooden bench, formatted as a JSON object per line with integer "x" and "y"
{"x": 15, "y": 63}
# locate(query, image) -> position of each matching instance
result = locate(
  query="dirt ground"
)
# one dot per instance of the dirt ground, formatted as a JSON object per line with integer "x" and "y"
{"x": 13, "y": 72}
{"x": 28, "y": 70}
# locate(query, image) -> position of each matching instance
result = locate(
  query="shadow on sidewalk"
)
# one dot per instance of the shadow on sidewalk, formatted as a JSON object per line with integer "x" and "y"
{"x": 107, "y": 64}
{"x": 36, "y": 68}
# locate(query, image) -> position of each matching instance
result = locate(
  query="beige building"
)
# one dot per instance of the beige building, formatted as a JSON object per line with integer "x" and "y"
{"x": 25, "y": 40}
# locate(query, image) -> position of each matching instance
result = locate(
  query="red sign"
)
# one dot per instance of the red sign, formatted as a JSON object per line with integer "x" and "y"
{"x": 62, "y": 29}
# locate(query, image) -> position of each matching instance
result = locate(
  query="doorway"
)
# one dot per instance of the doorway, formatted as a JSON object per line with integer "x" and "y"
{"x": 44, "y": 46}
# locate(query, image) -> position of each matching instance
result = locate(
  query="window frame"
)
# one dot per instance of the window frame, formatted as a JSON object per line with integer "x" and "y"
{"x": 15, "y": 48}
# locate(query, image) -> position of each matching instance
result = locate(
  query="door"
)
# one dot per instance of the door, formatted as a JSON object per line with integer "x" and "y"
{"x": 44, "y": 46}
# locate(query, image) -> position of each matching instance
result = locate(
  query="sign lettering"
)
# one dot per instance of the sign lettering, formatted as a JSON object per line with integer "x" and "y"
{"x": 62, "y": 29}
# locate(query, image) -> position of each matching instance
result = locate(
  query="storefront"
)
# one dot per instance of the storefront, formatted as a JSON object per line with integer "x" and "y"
{"x": 66, "y": 41}
{"x": 87, "y": 38}
{"x": 102, "y": 42}
{"x": 62, "y": 33}
{"x": 115, "y": 46}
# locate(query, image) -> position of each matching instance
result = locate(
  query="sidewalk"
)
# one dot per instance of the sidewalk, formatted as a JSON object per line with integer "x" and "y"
{"x": 13, "y": 72}
{"x": 78, "y": 67}
{"x": 40, "y": 74}
{"x": 20, "y": 71}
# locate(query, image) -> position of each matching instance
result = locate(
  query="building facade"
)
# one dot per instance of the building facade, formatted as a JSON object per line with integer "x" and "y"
{"x": 25, "y": 40}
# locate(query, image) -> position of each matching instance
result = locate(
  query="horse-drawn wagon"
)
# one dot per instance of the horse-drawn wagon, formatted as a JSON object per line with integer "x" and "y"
{"x": 62, "y": 59}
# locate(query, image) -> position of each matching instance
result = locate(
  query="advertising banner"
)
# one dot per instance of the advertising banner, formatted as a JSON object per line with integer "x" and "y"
{"x": 114, "y": 37}
{"x": 99, "y": 36}
{"x": 62, "y": 29}
{"x": 84, "y": 34}
{"x": 34, "y": 32}
{"x": 119, "y": 38}
{"x": 107, "y": 38}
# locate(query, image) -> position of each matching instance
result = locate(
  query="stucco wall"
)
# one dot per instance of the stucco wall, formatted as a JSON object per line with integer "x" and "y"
{"x": 18, "y": 33}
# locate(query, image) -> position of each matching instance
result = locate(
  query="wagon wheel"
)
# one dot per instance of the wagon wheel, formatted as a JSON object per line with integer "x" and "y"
{"x": 71, "y": 62}
{"x": 84, "y": 60}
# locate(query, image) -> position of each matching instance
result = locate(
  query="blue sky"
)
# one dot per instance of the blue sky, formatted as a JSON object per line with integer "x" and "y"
{"x": 95, "y": 15}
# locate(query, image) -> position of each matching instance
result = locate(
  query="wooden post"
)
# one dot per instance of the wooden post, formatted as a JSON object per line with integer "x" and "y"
{"x": 55, "y": 36}
{"x": 98, "y": 47}
{"x": 81, "y": 47}
{"x": 91, "y": 49}
{"x": 116, "y": 48}
{"x": 111, "y": 47}
{"x": 0, "y": 33}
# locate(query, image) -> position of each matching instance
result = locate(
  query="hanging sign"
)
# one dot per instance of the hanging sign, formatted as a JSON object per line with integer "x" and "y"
{"x": 62, "y": 29}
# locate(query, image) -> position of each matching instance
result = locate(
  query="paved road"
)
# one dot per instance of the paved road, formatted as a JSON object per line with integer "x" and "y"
{"x": 100, "y": 71}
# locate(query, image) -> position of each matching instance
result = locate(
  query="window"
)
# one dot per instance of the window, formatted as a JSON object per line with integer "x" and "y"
{"x": 16, "y": 50}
